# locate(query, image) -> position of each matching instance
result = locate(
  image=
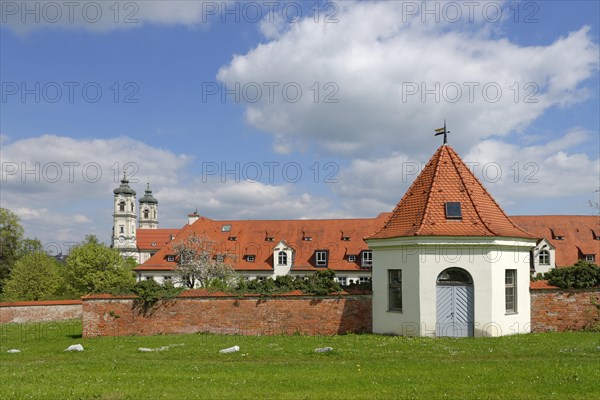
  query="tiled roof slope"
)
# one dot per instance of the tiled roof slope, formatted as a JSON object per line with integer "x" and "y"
{"x": 446, "y": 178}
{"x": 146, "y": 237}
{"x": 251, "y": 239}
{"x": 580, "y": 234}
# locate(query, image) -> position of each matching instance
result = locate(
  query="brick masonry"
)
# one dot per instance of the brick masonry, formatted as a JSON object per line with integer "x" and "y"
{"x": 551, "y": 310}
{"x": 39, "y": 311}
{"x": 282, "y": 315}
{"x": 560, "y": 310}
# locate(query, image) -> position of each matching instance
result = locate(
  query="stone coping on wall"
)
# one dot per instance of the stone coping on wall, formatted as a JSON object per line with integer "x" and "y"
{"x": 205, "y": 293}
{"x": 40, "y": 303}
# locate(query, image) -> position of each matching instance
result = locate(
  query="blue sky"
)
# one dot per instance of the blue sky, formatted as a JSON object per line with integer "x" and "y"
{"x": 376, "y": 78}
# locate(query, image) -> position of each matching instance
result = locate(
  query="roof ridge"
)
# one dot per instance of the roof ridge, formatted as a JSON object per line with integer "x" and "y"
{"x": 469, "y": 193}
{"x": 429, "y": 192}
{"x": 489, "y": 195}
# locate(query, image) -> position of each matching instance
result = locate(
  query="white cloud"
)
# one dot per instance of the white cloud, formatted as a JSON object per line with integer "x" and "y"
{"x": 514, "y": 175}
{"x": 379, "y": 70}
{"x": 102, "y": 16}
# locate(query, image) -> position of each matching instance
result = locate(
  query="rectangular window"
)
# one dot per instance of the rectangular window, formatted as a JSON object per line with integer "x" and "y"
{"x": 250, "y": 258}
{"x": 170, "y": 258}
{"x": 590, "y": 257}
{"x": 342, "y": 280}
{"x": 367, "y": 259}
{"x": 544, "y": 258}
{"x": 321, "y": 258}
{"x": 352, "y": 258}
{"x": 510, "y": 290}
{"x": 363, "y": 279}
{"x": 226, "y": 228}
{"x": 395, "y": 290}
{"x": 453, "y": 210}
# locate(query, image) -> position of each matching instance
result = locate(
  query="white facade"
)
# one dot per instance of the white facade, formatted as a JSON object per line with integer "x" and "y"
{"x": 423, "y": 259}
{"x": 543, "y": 257}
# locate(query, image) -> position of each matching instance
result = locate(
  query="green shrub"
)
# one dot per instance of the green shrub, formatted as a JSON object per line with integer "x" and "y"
{"x": 149, "y": 292}
{"x": 582, "y": 275}
{"x": 321, "y": 283}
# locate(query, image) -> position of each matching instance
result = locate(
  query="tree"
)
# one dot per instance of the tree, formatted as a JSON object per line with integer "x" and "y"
{"x": 35, "y": 276}
{"x": 199, "y": 261}
{"x": 11, "y": 236}
{"x": 93, "y": 267}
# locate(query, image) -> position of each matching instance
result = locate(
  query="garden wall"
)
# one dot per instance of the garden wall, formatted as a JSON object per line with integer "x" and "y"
{"x": 39, "y": 311}
{"x": 563, "y": 310}
{"x": 200, "y": 311}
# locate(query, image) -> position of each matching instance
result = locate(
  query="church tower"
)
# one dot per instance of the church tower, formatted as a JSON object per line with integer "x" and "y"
{"x": 124, "y": 220}
{"x": 148, "y": 210}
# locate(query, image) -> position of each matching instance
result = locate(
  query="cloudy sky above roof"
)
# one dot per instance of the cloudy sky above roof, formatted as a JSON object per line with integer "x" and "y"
{"x": 291, "y": 109}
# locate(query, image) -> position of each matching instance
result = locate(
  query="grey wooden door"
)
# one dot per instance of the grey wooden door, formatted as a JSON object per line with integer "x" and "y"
{"x": 454, "y": 311}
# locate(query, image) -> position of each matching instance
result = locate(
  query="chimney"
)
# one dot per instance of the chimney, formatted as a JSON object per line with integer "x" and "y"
{"x": 193, "y": 217}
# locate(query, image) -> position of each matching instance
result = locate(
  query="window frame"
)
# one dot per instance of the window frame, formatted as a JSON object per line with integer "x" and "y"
{"x": 546, "y": 255}
{"x": 510, "y": 306}
{"x": 395, "y": 287}
{"x": 170, "y": 258}
{"x": 592, "y": 257}
{"x": 366, "y": 262}
{"x": 321, "y": 258}
{"x": 282, "y": 258}
{"x": 352, "y": 257}
{"x": 449, "y": 215}
{"x": 250, "y": 258}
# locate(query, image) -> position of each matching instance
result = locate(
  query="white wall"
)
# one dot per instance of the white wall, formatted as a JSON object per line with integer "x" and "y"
{"x": 423, "y": 259}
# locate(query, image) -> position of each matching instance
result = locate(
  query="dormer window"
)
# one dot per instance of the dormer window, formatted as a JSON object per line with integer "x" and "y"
{"x": 250, "y": 258}
{"x": 269, "y": 239}
{"x": 590, "y": 257}
{"x": 367, "y": 259}
{"x": 321, "y": 258}
{"x": 453, "y": 210}
{"x": 220, "y": 258}
{"x": 233, "y": 238}
{"x": 544, "y": 257}
{"x": 346, "y": 238}
{"x": 352, "y": 258}
{"x": 559, "y": 238}
{"x": 170, "y": 258}
{"x": 307, "y": 238}
{"x": 282, "y": 258}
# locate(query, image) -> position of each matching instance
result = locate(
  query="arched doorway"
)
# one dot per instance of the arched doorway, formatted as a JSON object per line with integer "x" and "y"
{"x": 454, "y": 303}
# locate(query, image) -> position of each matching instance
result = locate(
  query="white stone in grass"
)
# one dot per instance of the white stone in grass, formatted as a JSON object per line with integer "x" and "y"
{"x": 74, "y": 347}
{"x": 13, "y": 351}
{"x": 230, "y": 349}
{"x": 323, "y": 350}
{"x": 163, "y": 348}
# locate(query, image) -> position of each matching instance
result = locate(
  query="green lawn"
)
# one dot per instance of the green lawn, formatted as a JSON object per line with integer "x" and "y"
{"x": 535, "y": 366}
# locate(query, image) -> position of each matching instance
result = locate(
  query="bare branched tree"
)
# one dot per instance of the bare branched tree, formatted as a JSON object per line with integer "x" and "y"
{"x": 200, "y": 260}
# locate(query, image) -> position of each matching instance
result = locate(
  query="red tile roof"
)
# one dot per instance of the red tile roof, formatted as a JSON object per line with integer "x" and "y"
{"x": 251, "y": 239}
{"x": 578, "y": 231}
{"x": 541, "y": 285}
{"x": 446, "y": 178}
{"x": 159, "y": 237}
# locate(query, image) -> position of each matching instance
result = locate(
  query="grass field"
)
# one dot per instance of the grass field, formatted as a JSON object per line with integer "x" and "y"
{"x": 535, "y": 366}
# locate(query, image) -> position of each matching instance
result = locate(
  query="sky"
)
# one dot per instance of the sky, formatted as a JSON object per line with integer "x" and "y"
{"x": 290, "y": 109}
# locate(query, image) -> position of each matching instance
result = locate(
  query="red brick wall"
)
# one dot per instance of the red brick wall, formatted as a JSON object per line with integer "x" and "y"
{"x": 307, "y": 315}
{"x": 39, "y": 311}
{"x": 563, "y": 310}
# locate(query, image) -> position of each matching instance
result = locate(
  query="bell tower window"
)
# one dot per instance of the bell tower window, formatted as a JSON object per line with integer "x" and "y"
{"x": 122, "y": 206}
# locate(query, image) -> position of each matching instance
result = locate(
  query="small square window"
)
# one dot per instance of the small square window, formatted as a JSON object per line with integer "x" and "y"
{"x": 250, "y": 258}
{"x": 453, "y": 210}
{"x": 590, "y": 257}
{"x": 170, "y": 258}
{"x": 352, "y": 258}
{"x": 225, "y": 228}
